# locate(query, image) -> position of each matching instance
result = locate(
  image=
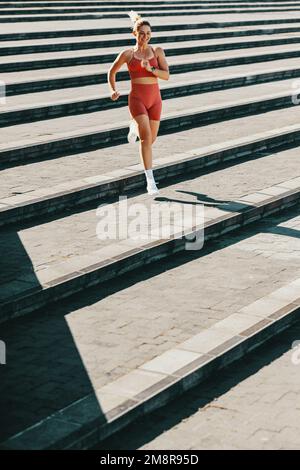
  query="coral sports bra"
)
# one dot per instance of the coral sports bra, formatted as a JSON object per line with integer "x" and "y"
{"x": 135, "y": 67}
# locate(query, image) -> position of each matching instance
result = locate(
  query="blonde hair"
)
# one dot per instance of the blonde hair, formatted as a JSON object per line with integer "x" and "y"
{"x": 137, "y": 20}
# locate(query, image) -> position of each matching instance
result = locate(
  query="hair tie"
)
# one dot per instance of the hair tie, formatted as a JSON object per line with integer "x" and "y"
{"x": 134, "y": 16}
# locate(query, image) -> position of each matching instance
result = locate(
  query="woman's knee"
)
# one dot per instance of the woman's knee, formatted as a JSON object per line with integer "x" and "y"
{"x": 145, "y": 133}
{"x": 146, "y": 139}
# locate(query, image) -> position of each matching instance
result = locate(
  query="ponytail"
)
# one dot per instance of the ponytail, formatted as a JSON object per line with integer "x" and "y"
{"x": 134, "y": 16}
{"x": 137, "y": 20}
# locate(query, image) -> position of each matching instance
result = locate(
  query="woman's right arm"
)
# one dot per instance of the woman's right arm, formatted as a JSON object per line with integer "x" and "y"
{"x": 111, "y": 75}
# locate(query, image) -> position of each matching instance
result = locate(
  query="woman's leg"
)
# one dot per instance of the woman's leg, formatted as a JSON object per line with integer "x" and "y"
{"x": 154, "y": 112}
{"x": 154, "y": 125}
{"x": 145, "y": 135}
{"x": 140, "y": 100}
{"x": 146, "y": 151}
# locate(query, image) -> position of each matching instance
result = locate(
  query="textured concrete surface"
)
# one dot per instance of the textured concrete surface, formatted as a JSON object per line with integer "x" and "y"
{"x": 253, "y": 404}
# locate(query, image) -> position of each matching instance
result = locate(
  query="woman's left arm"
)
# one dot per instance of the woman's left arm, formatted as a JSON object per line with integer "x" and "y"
{"x": 163, "y": 70}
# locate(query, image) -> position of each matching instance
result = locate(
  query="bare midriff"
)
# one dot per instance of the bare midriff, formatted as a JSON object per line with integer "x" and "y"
{"x": 145, "y": 80}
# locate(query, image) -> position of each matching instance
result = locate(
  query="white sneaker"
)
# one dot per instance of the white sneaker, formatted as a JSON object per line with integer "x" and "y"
{"x": 152, "y": 189}
{"x": 133, "y": 132}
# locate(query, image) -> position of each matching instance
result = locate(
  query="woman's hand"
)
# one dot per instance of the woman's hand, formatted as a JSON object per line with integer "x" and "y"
{"x": 115, "y": 95}
{"x": 145, "y": 63}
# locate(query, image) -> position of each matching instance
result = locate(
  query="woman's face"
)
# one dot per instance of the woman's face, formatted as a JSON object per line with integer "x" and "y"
{"x": 143, "y": 35}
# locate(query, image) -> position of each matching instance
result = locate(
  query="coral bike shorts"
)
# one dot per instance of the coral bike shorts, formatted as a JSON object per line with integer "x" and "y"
{"x": 145, "y": 98}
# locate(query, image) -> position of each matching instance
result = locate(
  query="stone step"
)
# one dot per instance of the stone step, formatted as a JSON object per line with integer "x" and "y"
{"x": 45, "y": 139}
{"x": 149, "y": 6}
{"x": 90, "y": 42}
{"x": 121, "y": 24}
{"x": 27, "y": 4}
{"x": 108, "y": 369}
{"x": 72, "y": 9}
{"x": 67, "y": 196}
{"x": 250, "y": 404}
{"x": 20, "y": 109}
{"x": 113, "y": 15}
{"x": 41, "y": 33}
{"x": 56, "y": 258}
{"x": 104, "y": 6}
{"x": 88, "y": 74}
{"x": 23, "y": 62}
{"x": 76, "y": 171}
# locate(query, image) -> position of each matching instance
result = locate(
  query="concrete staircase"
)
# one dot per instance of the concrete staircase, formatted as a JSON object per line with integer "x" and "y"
{"x": 102, "y": 330}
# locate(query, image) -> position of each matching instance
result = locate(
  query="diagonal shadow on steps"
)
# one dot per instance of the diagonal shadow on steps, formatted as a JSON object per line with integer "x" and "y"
{"x": 287, "y": 231}
{"x": 44, "y": 370}
{"x": 204, "y": 200}
{"x": 16, "y": 269}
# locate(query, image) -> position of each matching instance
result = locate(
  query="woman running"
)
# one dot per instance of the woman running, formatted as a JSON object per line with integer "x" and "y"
{"x": 145, "y": 66}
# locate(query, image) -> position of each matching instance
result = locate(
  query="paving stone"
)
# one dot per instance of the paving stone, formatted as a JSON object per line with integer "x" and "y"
{"x": 229, "y": 418}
